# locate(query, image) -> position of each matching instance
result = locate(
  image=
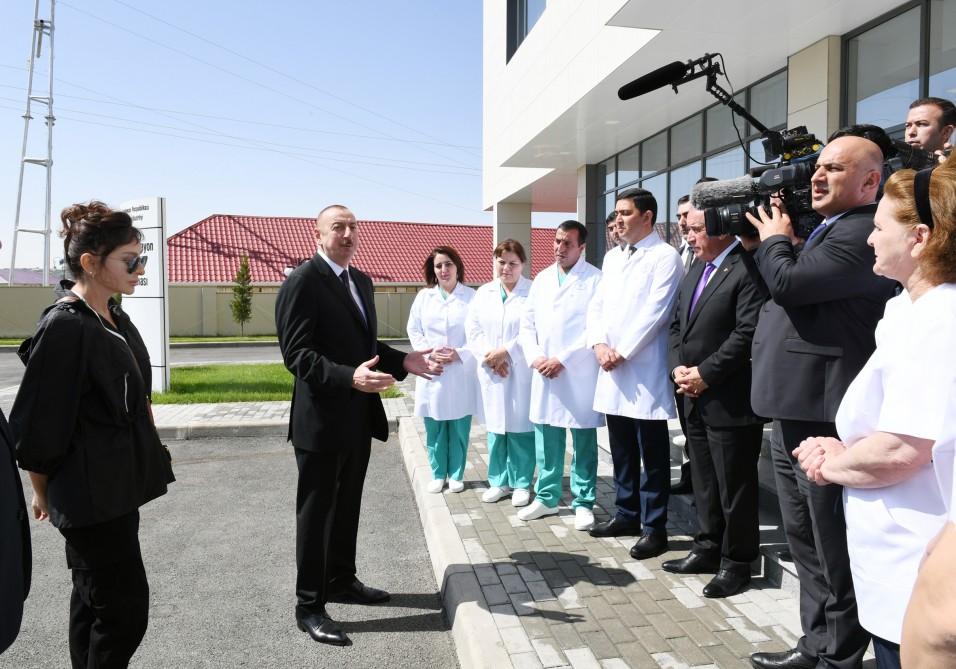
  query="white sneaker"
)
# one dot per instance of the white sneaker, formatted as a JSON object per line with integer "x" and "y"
{"x": 455, "y": 486}
{"x": 494, "y": 493}
{"x": 435, "y": 485}
{"x": 537, "y": 510}
{"x": 520, "y": 497}
{"x": 583, "y": 518}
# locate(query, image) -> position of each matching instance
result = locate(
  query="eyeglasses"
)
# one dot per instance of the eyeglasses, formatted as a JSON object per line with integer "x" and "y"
{"x": 133, "y": 263}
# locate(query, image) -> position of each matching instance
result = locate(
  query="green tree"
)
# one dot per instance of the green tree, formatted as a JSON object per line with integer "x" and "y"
{"x": 241, "y": 304}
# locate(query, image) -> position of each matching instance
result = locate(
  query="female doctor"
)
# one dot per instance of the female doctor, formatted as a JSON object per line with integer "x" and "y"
{"x": 447, "y": 402}
{"x": 494, "y": 319}
{"x": 897, "y": 406}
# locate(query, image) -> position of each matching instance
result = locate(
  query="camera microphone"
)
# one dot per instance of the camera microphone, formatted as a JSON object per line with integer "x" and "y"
{"x": 671, "y": 73}
{"x": 717, "y": 193}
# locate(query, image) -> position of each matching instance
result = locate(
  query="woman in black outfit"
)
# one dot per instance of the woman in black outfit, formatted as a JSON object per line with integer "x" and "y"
{"x": 84, "y": 431}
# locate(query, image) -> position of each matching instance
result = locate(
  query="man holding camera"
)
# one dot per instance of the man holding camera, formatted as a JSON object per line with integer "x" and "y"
{"x": 929, "y": 124}
{"x": 812, "y": 338}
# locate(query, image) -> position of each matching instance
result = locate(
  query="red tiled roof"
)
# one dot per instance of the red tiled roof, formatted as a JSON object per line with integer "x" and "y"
{"x": 209, "y": 251}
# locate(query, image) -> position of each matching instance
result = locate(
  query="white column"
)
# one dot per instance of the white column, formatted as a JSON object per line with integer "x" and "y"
{"x": 513, "y": 221}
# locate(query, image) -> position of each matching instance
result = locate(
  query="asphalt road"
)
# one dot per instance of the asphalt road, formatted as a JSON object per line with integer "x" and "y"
{"x": 219, "y": 554}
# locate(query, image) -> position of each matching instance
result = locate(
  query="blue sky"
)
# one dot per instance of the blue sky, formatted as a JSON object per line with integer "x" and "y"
{"x": 250, "y": 108}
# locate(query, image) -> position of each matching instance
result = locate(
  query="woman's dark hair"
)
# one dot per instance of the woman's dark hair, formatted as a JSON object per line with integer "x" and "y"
{"x": 428, "y": 268}
{"x": 510, "y": 246}
{"x": 96, "y": 229}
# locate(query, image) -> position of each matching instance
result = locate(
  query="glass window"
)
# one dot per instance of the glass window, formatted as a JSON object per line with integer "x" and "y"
{"x": 605, "y": 174}
{"x": 655, "y": 154}
{"x": 942, "y": 49}
{"x": 727, "y": 165}
{"x": 658, "y": 186}
{"x": 757, "y": 154}
{"x": 720, "y": 125}
{"x": 768, "y": 101}
{"x": 883, "y": 70}
{"x": 687, "y": 139}
{"x": 682, "y": 179}
{"x": 628, "y": 166}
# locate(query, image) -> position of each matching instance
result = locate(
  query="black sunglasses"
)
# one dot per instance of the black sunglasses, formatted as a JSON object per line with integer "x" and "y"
{"x": 133, "y": 263}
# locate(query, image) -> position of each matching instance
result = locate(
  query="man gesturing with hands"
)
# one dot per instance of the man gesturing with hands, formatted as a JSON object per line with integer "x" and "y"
{"x": 325, "y": 319}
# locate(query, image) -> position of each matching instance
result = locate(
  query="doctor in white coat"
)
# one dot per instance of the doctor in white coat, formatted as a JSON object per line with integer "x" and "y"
{"x": 494, "y": 319}
{"x": 562, "y": 384}
{"x": 447, "y": 402}
{"x": 627, "y": 329}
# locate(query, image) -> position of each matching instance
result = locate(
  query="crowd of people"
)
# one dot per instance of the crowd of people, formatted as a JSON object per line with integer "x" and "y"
{"x": 841, "y": 341}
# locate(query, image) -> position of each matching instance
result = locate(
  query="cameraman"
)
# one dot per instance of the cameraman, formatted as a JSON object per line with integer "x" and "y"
{"x": 929, "y": 124}
{"x": 811, "y": 341}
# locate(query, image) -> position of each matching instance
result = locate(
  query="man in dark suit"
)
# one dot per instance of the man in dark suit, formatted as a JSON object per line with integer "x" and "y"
{"x": 15, "y": 555}
{"x": 325, "y": 318}
{"x": 710, "y": 338}
{"x": 812, "y": 338}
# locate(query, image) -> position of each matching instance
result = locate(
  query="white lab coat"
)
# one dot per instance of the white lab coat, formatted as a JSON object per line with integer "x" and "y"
{"x": 631, "y": 313}
{"x": 553, "y": 325}
{"x": 435, "y": 322}
{"x": 495, "y": 324}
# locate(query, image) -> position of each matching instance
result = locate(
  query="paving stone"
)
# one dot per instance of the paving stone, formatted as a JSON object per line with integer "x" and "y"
{"x": 725, "y": 659}
{"x": 549, "y": 653}
{"x": 504, "y": 616}
{"x": 737, "y": 644}
{"x": 526, "y": 661}
{"x": 506, "y": 568}
{"x": 545, "y": 562}
{"x": 689, "y": 652}
{"x": 486, "y": 574}
{"x": 540, "y": 591}
{"x": 535, "y": 626}
{"x": 555, "y": 578}
{"x": 513, "y": 583}
{"x": 597, "y": 575}
{"x": 651, "y": 639}
{"x": 712, "y": 620}
{"x": 665, "y": 625}
{"x": 755, "y": 614}
{"x": 617, "y": 631}
{"x": 495, "y": 594}
{"x": 645, "y": 604}
{"x": 599, "y": 607}
{"x": 565, "y": 635}
{"x": 699, "y": 633}
{"x": 614, "y": 595}
{"x": 497, "y": 551}
{"x": 614, "y": 663}
{"x": 629, "y": 615}
{"x": 600, "y": 644}
{"x": 582, "y": 658}
{"x": 687, "y": 598}
{"x": 569, "y": 597}
{"x": 743, "y": 627}
{"x": 522, "y": 603}
{"x": 515, "y": 640}
{"x": 529, "y": 573}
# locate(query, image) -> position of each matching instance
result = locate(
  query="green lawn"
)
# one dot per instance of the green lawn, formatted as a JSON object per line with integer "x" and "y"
{"x": 221, "y": 340}
{"x": 232, "y": 383}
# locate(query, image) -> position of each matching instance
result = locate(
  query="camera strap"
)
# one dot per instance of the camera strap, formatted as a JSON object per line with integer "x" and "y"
{"x": 921, "y": 195}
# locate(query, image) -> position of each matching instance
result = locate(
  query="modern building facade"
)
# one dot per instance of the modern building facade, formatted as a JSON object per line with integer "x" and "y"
{"x": 556, "y": 138}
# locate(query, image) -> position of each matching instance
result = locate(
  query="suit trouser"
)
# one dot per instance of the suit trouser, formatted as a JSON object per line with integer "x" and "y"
{"x": 328, "y": 506}
{"x": 685, "y": 474}
{"x": 549, "y": 448}
{"x": 816, "y": 533}
{"x": 724, "y": 474}
{"x": 109, "y": 605}
{"x": 510, "y": 459}
{"x": 641, "y": 494}
{"x": 447, "y": 445}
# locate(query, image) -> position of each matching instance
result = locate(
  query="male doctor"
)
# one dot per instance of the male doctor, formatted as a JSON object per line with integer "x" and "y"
{"x": 562, "y": 384}
{"x": 627, "y": 329}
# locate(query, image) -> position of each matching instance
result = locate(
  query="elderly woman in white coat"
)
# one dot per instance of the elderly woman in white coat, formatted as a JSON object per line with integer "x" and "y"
{"x": 494, "y": 320}
{"x": 447, "y": 402}
{"x": 898, "y": 405}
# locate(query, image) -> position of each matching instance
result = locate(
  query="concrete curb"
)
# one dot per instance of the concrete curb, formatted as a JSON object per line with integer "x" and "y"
{"x": 477, "y": 640}
{"x": 207, "y": 429}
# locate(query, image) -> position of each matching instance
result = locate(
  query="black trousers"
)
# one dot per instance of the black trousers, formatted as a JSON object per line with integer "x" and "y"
{"x": 641, "y": 494}
{"x": 328, "y": 506}
{"x": 109, "y": 606}
{"x": 816, "y": 532}
{"x": 724, "y": 475}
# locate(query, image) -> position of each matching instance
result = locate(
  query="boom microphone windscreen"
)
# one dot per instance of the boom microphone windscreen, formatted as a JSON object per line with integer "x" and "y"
{"x": 662, "y": 76}
{"x": 717, "y": 193}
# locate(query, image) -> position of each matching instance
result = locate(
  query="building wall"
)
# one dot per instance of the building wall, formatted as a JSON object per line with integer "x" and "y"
{"x": 21, "y": 307}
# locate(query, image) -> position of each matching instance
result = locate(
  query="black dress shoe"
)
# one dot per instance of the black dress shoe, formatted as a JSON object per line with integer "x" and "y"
{"x": 788, "y": 659}
{"x": 649, "y": 545}
{"x": 616, "y": 527}
{"x": 726, "y": 583}
{"x": 694, "y": 563}
{"x": 357, "y": 592}
{"x": 322, "y": 629}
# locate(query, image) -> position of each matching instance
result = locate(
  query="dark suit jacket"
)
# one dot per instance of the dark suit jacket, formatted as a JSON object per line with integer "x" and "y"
{"x": 323, "y": 338}
{"x": 15, "y": 554}
{"x": 817, "y": 332}
{"x": 716, "y": 339}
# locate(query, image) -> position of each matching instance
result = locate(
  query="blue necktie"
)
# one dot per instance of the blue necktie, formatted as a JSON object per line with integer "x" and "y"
{"x": 817, "y": 231}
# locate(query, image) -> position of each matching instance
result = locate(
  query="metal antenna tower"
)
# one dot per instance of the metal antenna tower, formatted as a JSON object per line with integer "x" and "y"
{"x": 41, "y": 27}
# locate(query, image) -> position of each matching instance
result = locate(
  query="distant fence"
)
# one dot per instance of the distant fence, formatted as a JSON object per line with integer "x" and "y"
{"x": 203, "y": 310}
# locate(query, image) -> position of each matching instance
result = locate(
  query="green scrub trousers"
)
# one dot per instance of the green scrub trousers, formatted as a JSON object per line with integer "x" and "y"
{"x": 549, "y": 447}
{"x": 447, "y": 444}
{"x": 511, "y": 459}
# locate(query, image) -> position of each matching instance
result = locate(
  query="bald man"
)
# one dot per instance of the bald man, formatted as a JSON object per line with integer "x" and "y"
{"x": 812, "y": 338}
